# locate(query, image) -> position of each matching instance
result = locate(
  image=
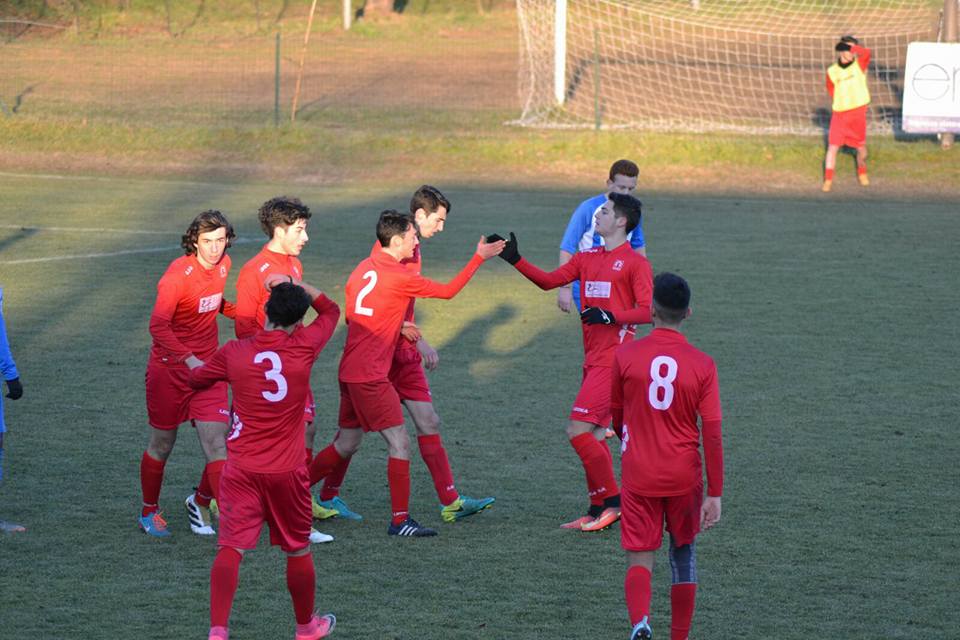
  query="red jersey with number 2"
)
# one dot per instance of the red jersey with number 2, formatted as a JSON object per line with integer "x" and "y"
{"x": 662, "y": 383}
{"x": 378, "y": 295}
{"x": 269, "y": 375}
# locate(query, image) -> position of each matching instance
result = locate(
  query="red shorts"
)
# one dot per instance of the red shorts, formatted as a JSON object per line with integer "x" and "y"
{"x": 374, "y": 406}
{"x": 642, "y": 519}
{"x": 849, "y": 128}
{"x": 171, "y": 401}
{"x": 248, "y": 499}
{"x": 407, "y": 376}
{"x": 593, "y": 400}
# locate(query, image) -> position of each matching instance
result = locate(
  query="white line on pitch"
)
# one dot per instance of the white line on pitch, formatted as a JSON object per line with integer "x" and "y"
{"x": 86, "y": 229}
{"x": 107, "y": 254}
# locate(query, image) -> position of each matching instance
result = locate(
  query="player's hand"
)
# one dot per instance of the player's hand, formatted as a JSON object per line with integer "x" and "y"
{"x": 487, "y": 250}
{"x": 410, "y": 331}
{"x": 431, "y": 359}
{"x": 274, "y": 279}
{"x": 495, "y": 237}
{"x": 511, "y": 252}
{"x": 596, "y": 315}
{"x": 193, "y": 362}
{"x": 14, "y": 389}
{"x": 710, "y": 512}
{"x": 565, "y": 299}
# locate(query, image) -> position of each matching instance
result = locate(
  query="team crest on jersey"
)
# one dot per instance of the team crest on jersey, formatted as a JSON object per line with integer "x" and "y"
{"x": 596, "y": 289}
{"x": 264, "y": 267}
{"x": 617, "y": 265}
{"x": 210, "y": 303}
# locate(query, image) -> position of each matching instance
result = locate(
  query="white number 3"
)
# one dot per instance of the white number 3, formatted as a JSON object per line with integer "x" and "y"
{"x": 662, "y": 382}
{"x": 273, "y": 375}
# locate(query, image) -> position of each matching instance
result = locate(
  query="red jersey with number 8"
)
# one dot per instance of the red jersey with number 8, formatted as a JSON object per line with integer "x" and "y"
{"x": 269, "y": 374}
{"x": 662, "y": 383}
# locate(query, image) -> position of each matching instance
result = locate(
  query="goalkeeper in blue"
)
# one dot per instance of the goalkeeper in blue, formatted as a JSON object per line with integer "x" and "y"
{"x": 14, "y": 390}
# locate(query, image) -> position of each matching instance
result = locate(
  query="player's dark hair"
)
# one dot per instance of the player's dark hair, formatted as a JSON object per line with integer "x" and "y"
{"x": 209, "y": 220}
{"x": 287, "y": 304}
{"x": 628, "y": 207}
{"x": 429, "y": 199}
{"x": 392, "y": 223}
{"x": 281, "y": 211}
{"x": 671, "y": 297}
{"x": 624, "y": 168}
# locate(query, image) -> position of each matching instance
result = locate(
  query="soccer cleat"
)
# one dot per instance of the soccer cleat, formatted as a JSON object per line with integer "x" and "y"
{"x": 827, "y": 185}
{"x": 463, "y": 507}
{"x": 154, "y": 525}
{"x": 324, "y": 625}
{"x": 324, "y": 509}
{"x": 317, "y": 537}
{"x": 863, "y": 180}
{"x": 214, "y": 508}
{"x": 641, "y": 630}
{"x": 604, "y": 520}
{"x": 201, "y": 523}
{"x": 11, "y": 527}
{"x": 576, "y": 524}
{"x": 219, "y": 633}
{"x": 410, "y": 528}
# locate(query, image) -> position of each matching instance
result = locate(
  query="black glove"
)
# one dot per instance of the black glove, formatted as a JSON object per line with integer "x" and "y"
{"x": 493, "y": 237}
{"x": 510, "y": 252}
{"x": 596, "y": 315}
{"x": 14, "y": 389}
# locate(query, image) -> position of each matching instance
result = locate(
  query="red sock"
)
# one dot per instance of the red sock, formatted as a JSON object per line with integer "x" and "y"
{"x": 861, "y": 170}
{"x": 301, "y": 582}
{"x": 597, "y": 466}
{"x": 203, "y": 493}
{"x": 151, "y": 478}
{"x": 334, "y": 480}
{"x": 224, "y": 577}
{"x": 828, "y": 174}
{"x": 398, "y": 475}
{"x": 609, "y": 456}
{"x": 433, "y": 453}
{"x": 309, "y": 451}
{"x": 323, "y": 464}
{"x": 213, "y": 471}
{"x": 636, "y": 587}
{"x": 682, "y": 598}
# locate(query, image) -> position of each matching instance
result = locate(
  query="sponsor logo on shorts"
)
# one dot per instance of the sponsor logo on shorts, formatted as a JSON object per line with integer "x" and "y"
{"x": 597, "y": 289}
{"x": 618, "y": 265}
{"x": 581, "y": 410}
{"x": 210, "y": 303}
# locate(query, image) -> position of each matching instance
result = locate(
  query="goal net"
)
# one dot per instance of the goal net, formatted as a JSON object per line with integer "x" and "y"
{"x": 708, "y": 65}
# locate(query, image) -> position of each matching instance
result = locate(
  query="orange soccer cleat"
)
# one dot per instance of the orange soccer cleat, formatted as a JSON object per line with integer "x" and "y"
{"x": 604, "y": 520}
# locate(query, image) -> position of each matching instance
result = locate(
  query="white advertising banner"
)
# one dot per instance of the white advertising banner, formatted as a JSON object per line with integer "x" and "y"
{"x": 931, "y": 88}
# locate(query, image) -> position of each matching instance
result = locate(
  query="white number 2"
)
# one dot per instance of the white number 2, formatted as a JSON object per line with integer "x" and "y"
{"x": 360, "y": 309}
{"x": 662, "y": 382}
{"x": 273, "y": 375}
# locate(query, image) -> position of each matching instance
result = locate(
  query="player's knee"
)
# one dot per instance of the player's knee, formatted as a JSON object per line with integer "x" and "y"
{"x": 161, "y": 444}
{"x": 428, "y": 423}
{"x": 683, "y": 563}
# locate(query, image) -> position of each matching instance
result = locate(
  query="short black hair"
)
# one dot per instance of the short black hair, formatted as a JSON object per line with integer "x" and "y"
{"x": 281, "y": 211}
{"x": 628, "y": 207}
{"x": 429, "y": 199}
{"x": 287, "y": 304}
{"x": 209, "y": 220}
{"x": 392, "y": 223}
{"x": 671, "y": 297}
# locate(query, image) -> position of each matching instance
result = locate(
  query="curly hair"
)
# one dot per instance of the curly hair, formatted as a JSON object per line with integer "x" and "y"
{"x": 281, "y": 211}
{"x": 209, "y": 220}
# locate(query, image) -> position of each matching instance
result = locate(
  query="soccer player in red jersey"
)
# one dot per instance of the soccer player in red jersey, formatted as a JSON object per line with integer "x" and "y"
{"x": 615, "y": 284}
{"x": 847, "y": 86}
{"x": 378, "y": 294}
{"x": 265, "y": 478}
{"x": 184, "y": 330}
{"x": 429, "y": 208}
{"x": 661, "y": 384}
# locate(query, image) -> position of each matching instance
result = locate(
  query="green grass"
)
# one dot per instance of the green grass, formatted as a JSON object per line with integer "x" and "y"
{"x": 832, "y": 323}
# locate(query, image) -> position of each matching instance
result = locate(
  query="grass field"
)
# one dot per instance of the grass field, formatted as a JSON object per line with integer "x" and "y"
{"x": 833, "y": 324}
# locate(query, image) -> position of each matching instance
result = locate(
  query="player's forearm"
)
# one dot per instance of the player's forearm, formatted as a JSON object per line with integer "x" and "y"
{"x": 541, "y": 278}
{"x": 863, "y": 55}
{"x": 713, "y": 457}
{"x": 452, "y": 288}
{"x": 616, "y": 412}
{"x": 228, "y": 309}
{"x": 637, "y": 315}
{"x": 161, "y": 330}
{"x": 8, "y": 367}
{"x": 201, "y": 378}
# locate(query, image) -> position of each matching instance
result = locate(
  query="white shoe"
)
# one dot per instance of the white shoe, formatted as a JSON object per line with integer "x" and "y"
{"x": 317, "y": 537}
{"x": 200, "y": 521}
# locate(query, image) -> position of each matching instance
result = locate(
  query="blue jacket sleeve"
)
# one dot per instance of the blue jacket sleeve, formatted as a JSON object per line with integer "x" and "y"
{"x": 578, "y": 225}
{"x": 636, "y": 237}
{"x": 7, "y": 366}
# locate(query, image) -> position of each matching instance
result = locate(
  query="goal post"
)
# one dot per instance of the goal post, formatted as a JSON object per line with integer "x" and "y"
{"x": 708, "y": 65}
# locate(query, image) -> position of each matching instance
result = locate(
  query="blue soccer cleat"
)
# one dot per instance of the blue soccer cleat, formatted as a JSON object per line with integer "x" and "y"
{"x": 324, "y": 509}
{"x": 463, "y": 507}
{"x": 154, "y": 525}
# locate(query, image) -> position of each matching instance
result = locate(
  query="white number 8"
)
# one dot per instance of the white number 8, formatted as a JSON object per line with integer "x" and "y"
{"x": 662, "y": 382}
{"x": 273, "y": 375}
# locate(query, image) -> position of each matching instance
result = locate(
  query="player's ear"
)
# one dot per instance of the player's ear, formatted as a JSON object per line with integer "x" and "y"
{"x": 420, "y": 215}
{"x": 689, "y": 312}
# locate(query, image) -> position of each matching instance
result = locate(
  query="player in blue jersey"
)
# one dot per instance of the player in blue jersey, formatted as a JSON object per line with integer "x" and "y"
{"x": 581, "y": 231}
{"x": 14, "y": 390}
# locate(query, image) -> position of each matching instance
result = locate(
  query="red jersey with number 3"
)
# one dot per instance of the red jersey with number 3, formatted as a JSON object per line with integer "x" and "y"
{"x": 184, "y": 318}
{"x": 269, "y": 374}
{"x": 378, "y": 295}
{"x": 662, "y": 383}
{"x": 252, "y": 295}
